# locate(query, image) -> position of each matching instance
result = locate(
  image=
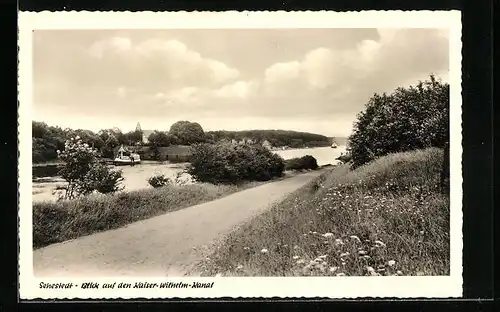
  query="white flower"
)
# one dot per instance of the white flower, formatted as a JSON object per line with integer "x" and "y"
{"x": 362, "y": 252}
{"x": 399, "y": 273}
{"x": 327, "y": 235}
{"x": 338, "y": 241}
{"x": 333, "y": 269}
{"x": 218, "y": 275}
{"x": 379, "y": 243}
{"x": 295, "y": 257}
{"x": 391, "y": 263}
{"x": 340, "y": 274}
{"x": 354, "y": 237}
{"x": 264, "y": 250}
{"x": 344, "y": 254}
{"x": 323, "y": 256}
{"x": 301, "y": 261}
{"x": 239, "y": 267}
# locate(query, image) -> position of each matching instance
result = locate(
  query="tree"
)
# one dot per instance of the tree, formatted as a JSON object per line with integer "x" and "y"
{"x": 409, "y": 118}
{"x": 110, "y": 141}
{"x": 187, "y": 132}
{"x": 161, "y": 138}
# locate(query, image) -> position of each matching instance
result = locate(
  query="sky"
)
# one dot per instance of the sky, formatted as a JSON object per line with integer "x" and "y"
{"x": 314, "y": 80}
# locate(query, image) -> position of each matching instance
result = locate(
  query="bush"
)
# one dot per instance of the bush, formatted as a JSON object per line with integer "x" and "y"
{"x": 410, "y": 118}
{"x": 83, "y": 171}
{"x": 303, "y": 163}
{"x": 344, "y": 158}
{"x": 228, "y": 163}
{"x": 158, "y": 181}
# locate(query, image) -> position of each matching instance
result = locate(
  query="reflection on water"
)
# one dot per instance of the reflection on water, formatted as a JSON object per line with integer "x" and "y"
{"x": 323, "y": 155}
{"x": 136, "y": 177}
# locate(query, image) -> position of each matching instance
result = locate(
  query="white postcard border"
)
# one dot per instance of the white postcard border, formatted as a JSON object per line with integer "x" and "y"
{"x": 257, "y": 287}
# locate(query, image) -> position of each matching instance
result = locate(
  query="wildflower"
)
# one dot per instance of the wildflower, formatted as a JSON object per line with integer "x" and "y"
{"x": 296, "y": 247}
{"x": 218, "y": 275}
{"x": 422, "y": 232}
{"x": 354, "y": 237}
{"x": 391, "y": 263}
{"x": 323, "y": 256}
{"x": 246, "y": 248}
{"x": 362, "y": 252}
{"x": 371, "y": 271}
{"x": 399, "y": 273}
{"x": 264, "y": 250}
{"x": 327, "y": 235}
{"x": 239, "y": 267}
{"x": 333, "y": 269}
{"x": 295, "y": 257}
{"x": 338, "y": 241}
{"x": 340, "y": 274}
{"x": 344, "y": 254}
{"x": 380, "y": 244}
{"x": 286, "y": 245}
{"x": 301, "y": 261}
{"x": 315, "y": 233}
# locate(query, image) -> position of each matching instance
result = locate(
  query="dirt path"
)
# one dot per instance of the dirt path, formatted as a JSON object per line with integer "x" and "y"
{"x": 166, "y": 245}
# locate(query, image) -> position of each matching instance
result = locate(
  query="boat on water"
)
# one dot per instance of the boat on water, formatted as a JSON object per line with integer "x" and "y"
{"x": 334, "y": 145}
{"x": 125, "y": 157}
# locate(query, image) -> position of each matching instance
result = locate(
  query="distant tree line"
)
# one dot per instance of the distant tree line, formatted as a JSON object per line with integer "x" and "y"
{"x": 277, "y": 138}
{"x": 48, "y": 139}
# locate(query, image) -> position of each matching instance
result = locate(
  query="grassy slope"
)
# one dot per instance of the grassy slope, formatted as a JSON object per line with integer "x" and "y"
{"x": 55, "y": 222}
{"x": 391, "y": 205}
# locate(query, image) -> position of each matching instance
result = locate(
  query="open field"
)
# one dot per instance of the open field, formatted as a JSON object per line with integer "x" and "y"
{"x": 384, "y": 218}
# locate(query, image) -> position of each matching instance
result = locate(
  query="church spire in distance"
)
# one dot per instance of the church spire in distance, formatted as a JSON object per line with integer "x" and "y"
{"x": 138, "y": 127}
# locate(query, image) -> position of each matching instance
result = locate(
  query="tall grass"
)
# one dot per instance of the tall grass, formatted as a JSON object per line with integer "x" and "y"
{"x": 55, "y": 222}
{"x": 384, "y": 218}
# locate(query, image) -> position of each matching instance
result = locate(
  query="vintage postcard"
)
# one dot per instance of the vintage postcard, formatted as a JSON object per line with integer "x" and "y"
{"x": 240, "y": 154}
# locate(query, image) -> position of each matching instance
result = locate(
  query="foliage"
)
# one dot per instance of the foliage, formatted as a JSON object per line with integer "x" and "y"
{"x": 158, "y": 180}
{"x": 46, "y": 141}
{"x": 344, "y": 158}
{"x": 382, "y": 219}
{"x": 187, "y": 132}
{"x": 84, "y": 173}
{"x": 233, "y": 163}
{"x": 409, "y": 118}
{"x": 162, "y": 139}
{"x": 277, "y": 138}
{"x": 307, "y": 162}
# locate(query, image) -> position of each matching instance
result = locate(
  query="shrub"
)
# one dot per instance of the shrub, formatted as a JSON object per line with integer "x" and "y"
{"x": 344, "y": 158}
{"x": 410, "y": 118}
{"x": 302, "y": 163}
{"x": 83, "y": 171}
{"x": 158, "y": 181}
{"x": 228, "y": 163}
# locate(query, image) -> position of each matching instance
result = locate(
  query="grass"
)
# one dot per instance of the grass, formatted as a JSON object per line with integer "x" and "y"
{"x": 384, "y": 218}
{"x": 55, "y": 222}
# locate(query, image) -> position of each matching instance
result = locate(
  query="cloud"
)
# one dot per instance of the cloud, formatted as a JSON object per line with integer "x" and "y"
{"x": 239, "y": 89}
{"x": 327, "y": 74}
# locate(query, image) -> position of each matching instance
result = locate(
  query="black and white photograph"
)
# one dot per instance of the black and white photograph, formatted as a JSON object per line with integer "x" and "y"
{"x": 200, "y": 157}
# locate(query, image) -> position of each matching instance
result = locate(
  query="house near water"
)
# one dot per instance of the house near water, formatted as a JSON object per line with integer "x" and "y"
{"x": 124, "y": 156}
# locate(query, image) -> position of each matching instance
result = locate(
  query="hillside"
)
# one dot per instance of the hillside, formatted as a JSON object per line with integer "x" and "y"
{"x": 384, "y": 218}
